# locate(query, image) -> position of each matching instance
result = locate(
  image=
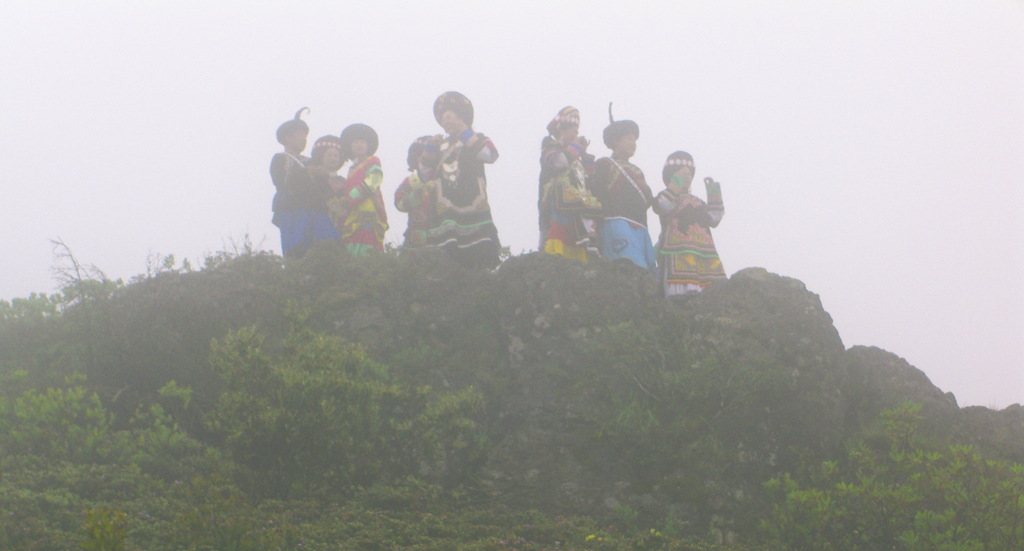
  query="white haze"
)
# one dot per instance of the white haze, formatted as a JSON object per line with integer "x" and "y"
{"x": 873, "y": 150}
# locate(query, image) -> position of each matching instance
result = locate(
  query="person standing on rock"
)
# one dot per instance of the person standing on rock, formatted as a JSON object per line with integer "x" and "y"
{"x": 296, "y": 196}
{"x": 358, "y": 210}
{"x": 416, "y": 198}
{"x": 569, "y": 212}
{"x": 625, "y": 197}
{"x": 687, "y": 258}
{"x": 462, "y": 226}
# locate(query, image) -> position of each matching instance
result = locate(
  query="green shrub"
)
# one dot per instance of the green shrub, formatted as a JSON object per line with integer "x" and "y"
{"x": 61, "y": 423}
{"x": 321, "y": 417}
{"x": 904, "y": 498}
{"x": 105, "y": 530}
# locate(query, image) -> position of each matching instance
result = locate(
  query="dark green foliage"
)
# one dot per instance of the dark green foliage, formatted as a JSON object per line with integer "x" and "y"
{"x": 905, "y": 497}
{"x": 391, "y": 402}
{"x": 105, "y": 530}
{"x": 322, "y": 418}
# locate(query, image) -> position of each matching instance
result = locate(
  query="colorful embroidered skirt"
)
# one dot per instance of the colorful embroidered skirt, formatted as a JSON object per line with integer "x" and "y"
{"x": 471, "y": 240}
{"x": 364, "y": 240}
{"x": 563, "y": 238}
{"x": 621, "y": 238}
{"x": 688, "y": 271}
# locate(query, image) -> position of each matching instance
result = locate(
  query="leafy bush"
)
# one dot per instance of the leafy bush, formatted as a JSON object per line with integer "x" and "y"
{"x": 904, "y": 498}
{"x": 61, "y": 423}
{"x": 321, "y": 417}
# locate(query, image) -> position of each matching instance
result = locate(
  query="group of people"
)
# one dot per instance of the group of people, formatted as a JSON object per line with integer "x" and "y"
{"x": 587, "y": 208}
{"x": 314, "y": 203}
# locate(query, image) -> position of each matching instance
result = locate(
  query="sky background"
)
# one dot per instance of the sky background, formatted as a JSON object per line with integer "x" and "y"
{"x": 872, "y": 149}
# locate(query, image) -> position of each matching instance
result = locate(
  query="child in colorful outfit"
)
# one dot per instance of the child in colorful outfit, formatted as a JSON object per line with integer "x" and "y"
{"x": 296, "y": 198}
{"x": 687, "y": 258}
{"x": 415, "y": 197}
{"x": 358, "y": 209}
{"x": 624, "y": 196}
{"x": 462, "y": 225}
{"x": 569, "y": 212}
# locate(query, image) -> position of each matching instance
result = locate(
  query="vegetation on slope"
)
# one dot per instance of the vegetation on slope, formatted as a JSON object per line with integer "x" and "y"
{"x": 397, "y": 403}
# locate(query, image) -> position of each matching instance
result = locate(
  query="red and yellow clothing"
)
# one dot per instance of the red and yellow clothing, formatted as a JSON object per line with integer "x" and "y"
{"x": 569, "y": 212}
{"x": 358, "y": 210}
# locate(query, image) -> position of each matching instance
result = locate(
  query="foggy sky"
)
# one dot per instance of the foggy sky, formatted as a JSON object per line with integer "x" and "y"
{"x": 873, "y": 150}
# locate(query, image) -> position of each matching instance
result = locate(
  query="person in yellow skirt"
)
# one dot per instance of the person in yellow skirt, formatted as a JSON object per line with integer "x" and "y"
{"x": 569, "y": 212}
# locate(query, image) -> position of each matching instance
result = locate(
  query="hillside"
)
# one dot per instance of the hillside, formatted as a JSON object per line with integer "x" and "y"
{"x": 543, "y": 392}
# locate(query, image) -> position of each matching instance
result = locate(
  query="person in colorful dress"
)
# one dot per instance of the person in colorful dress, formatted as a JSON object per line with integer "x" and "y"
{"x": 297, "y": 199}
{"x": 415, "y": 197}
{"x": 462, "y": 225}
{"x": 687, "y": 258}
{"x": 625, "y": 197}
{"x": 358, "y": 209}
{"x": 569, "y": 212}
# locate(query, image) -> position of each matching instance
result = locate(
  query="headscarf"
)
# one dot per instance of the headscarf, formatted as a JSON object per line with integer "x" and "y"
{"x": 415, "y": 151}
{"x": 454, "y": 101}
{"x": 292, "y": 126}
{"x": 674, "y": 162}
{"x": 618, "y": 129}
{"x": 358, "y": 131}
{"x": 568, "y": 116}
{"x": 324, "y": 143}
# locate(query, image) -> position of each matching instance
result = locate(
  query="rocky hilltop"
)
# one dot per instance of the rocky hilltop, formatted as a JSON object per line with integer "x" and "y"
{"x": 598, "y": 397}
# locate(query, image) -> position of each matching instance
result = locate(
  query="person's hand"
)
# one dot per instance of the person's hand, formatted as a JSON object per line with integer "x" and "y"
{"x": 582, "y": 141}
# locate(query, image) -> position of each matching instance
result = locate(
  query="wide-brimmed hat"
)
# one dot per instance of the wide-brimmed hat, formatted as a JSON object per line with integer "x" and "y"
{"x": 292, "y": 126}
{"x": 454, "y": 101}
{"x": 359, "y": 131}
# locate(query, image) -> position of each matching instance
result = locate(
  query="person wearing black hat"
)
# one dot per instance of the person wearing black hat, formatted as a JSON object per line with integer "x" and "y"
{"x": 296, "y": 196}
{"x": 462, "y": 225}
{"x": 625, "y": 197}
{"x": 569, "y": 212}
{"x": 687, "y": 258}
{"x": 358, "y": 209}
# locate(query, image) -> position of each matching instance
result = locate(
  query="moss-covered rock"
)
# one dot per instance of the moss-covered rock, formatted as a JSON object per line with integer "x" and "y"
{"x": 599, "y": 397}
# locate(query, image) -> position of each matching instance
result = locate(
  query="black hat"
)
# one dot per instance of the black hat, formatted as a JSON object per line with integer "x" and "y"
{"x": 674, "y": 162}
{"x": 415, "y": 151}
{"x": 358, "y": 131}
{"x": 292, "y": 126}
{"x": 618, "y": 129}
{"x": 454, "y": 101}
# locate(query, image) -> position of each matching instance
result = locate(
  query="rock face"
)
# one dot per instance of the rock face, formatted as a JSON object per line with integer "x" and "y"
{"x": 604, "y": 398}
{"x": 880, "y": 379}
{"x": 625, "y": 403}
